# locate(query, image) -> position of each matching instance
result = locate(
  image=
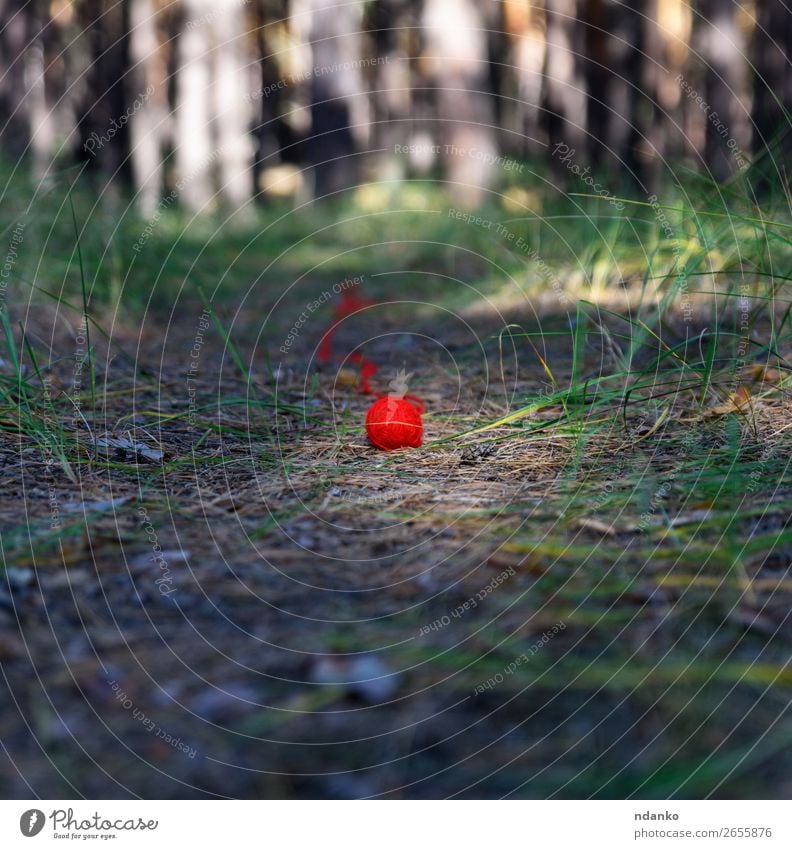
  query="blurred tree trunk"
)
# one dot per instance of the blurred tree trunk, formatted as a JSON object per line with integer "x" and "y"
{"x": 193, "y": 117}
{"x": 599, "y": 69}
{"x": 524, "y": 21}
{"x": 105, "y": 25}
{"x": 652, "y": 122}
{"x": 722, "y": 49}
{"x": 145, "y": 88}
{"x": 14, "y": 35}
{"x": 268, "y": 128}
{"x": 772, "y": 89}
{"x": 392, "y": 26}
{"x": 669, "y": 46}
{"x": 456, "y": 59}
{"x": 234, "y": 70}
{"x": 40, "y": 109}
{"x": 339, "y": 106}
{"x": 565, "y": 98}
{"x": 618, "y": 111}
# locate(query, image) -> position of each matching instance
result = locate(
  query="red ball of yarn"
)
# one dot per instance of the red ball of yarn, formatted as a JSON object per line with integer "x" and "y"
{"x": 393, "y": 422}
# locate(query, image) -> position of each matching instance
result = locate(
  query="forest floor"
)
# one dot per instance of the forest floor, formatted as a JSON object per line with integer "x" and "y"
{"x": 214, "y": 585}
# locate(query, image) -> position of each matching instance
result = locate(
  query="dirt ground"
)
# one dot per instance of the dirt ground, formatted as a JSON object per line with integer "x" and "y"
{"x": 273, "y": 608}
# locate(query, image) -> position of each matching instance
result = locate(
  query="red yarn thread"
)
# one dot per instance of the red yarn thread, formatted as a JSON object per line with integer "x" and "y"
{"x": 395, "y": 422}
{"x": 367, "y": 371}
{"x": 350, "y": 304}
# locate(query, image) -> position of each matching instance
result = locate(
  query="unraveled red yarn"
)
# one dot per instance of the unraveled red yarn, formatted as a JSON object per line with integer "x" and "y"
{"x": 350, "y": 304}
{"x": 395, "y": 422}
{"x": 367, "y": 371}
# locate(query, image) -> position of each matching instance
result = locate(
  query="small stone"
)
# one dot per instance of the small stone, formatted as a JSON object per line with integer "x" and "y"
{"x": 19, "y": 577}
{"x": 365, "y": 676}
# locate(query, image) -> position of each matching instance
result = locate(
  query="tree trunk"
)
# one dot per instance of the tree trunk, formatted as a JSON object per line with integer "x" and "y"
{"x": 193, "y": 141}
{"x": 234, "y": 71}
{"x": 723, "y": 50}
{"x": 40, "y": 108}
{"x": 14, "y": 35}
{"x": 104, "y": 110}
{"x": 615, "y": 67}
{"x": 524, "y": 21}
{"x": 339, "y": 107}
{"x": 392, "y": 24}
{"x": 565, "y": 88}
{"x": 456, "y": 57}
{"x": 145, "y": 92}
{"x": 772, "y": 91}
{"x": 668, "y": 45}
{"x": 268, "y": 127}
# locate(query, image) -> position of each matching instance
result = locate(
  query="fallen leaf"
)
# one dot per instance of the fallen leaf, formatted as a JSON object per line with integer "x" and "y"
{"x": 739, "y": 401}
{"x": 762, "y": 374}
{"x": 346, "y": 377}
